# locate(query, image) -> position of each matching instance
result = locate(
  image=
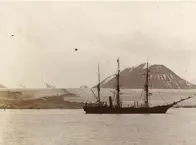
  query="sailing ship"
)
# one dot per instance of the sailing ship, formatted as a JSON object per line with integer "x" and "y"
{"x": 117, "y": 108}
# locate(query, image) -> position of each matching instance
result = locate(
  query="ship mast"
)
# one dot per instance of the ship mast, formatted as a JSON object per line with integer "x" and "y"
{"x": 146, "y": 87}
{"x": 118, "y": 85}
{"x": 98, "y": 86}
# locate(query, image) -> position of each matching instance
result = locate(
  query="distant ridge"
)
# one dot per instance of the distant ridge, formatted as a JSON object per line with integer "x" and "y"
{"x": 49, "y": 86}
{"x": 160, "y": 77}
{"x": 2, "y": 86}
{"x": 84, "y": 86}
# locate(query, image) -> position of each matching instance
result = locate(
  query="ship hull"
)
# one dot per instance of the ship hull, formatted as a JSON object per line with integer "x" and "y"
{"x": 128, "y": 110}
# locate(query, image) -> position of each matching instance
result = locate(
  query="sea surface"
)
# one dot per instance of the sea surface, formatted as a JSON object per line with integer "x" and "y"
{"x": 74, "y": 127}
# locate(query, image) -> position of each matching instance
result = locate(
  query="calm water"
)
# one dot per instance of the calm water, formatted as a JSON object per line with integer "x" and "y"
{"x": 73, "y": 127}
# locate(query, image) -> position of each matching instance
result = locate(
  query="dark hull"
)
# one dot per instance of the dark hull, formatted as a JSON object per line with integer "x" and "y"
{"x": 128, "y": 110}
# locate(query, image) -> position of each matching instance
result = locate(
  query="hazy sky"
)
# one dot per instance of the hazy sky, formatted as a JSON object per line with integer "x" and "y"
{"x": 37, "y": 40}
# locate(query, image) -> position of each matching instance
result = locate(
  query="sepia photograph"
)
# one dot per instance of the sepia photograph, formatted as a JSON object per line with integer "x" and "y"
{"x": 97, "y": 72}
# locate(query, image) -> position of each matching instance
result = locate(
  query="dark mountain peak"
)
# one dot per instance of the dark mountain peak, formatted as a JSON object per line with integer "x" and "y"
{"x": 160, "y": 77}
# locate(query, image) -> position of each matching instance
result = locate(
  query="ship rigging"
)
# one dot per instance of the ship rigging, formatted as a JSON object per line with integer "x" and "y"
{"x": 102, "y": 108}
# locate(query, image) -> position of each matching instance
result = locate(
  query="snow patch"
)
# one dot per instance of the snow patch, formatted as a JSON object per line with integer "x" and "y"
{"x": 177, "y": 85}
{"x": 171, "y": 76}
{"x": 145, "y": 66}
{"x": 164, "y": 76}
{"x": 166, "y": 84}
{"x": 169, "y": 85}
{"x": 158, "y": 77}
{"x": 157, "y": 69}
{"x": 188, "y": 84}
{"x": 49, "y": 86}
{"x": 130, "y": 69}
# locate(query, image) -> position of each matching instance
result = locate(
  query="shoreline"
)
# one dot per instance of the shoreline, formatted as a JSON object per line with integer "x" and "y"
{"x": 73, "y": 108}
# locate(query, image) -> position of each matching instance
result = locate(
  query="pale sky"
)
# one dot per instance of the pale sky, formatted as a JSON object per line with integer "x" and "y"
{"x": 46, "y": 33}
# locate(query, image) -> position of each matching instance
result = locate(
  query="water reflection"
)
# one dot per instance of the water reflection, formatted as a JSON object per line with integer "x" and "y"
{"x": 73, "y": 127}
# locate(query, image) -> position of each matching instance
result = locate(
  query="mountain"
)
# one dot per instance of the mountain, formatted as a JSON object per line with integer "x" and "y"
{"x": 2, "y": 86}
{"x": 84, "y": 86}
{"x": 49, "y": 86}
{"x": 160, "y": 77}
{"x": 51, "y": 102}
